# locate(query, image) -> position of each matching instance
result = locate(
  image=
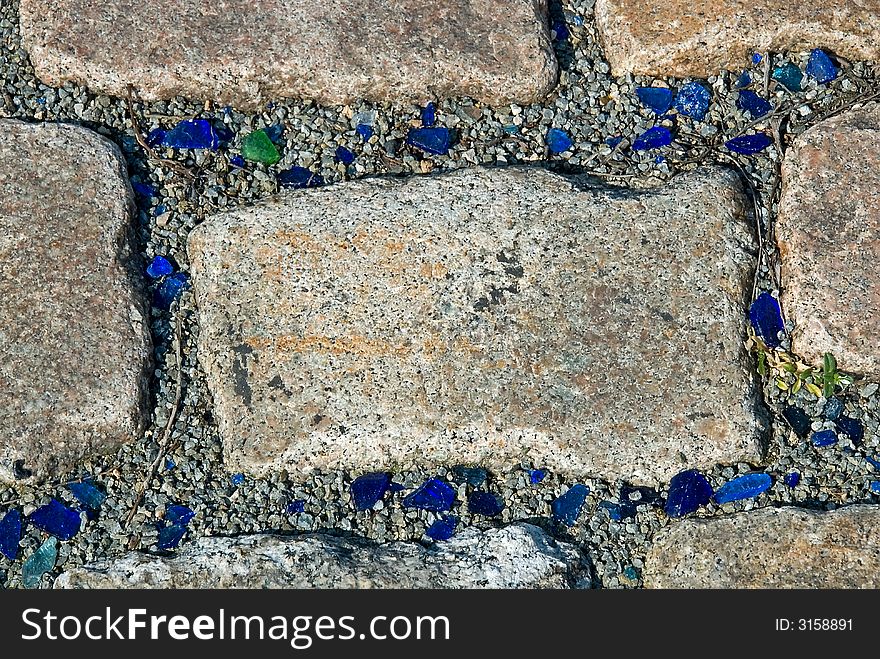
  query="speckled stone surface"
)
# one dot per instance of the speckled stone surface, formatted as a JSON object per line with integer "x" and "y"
{"x": 685, "y": 39}
{"x": 829, "y": 240}
{"x": 76, "y": 346}
{"x": 769, "y": 548}
{"x": 516, "y": 556}
{"x": 482, "y": 316}
{"x": 246, "y": 53}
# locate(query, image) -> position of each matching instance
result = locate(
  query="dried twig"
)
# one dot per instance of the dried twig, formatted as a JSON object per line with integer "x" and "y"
{"x": 151, "y": 153}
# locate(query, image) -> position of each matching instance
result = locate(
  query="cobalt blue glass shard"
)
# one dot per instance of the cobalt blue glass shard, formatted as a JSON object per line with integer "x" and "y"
{"x": 765, "y": 315}
{"x": 344, "y": 156}
{"x": 299, "y": 177}
{"x": 368, "y": 489}
{"x": 177, "y": 514}
{"x": 824, "y": 438}
{"x": 789, "y": 76}
{"x": 159, "y": 267}
{"x": 567, "y": 507}
{"x": 692, "y": 100}
{"x": 170, "y": 536}
{"x": 833, "y": 409}
{"x": 223, "y": 132}
{"x": 560, "y": 29}
{"x": 485, "y": 503}
{"x": 429, "y": 115}
{"x": 443, "y": 528}
{"x": 297, "y": 506}
{"x": 875, "y": 487}
{"x": 558, "y": 141}
{"x": 87, "y": 494}
{"x": 274, "y": 132}
{"x": 365, "y": 131}
{"x": 237, "y": 479}
{"x": 756, "y": 58}
{"x": 169, "y": 290}
{"x": 743, "y": 487}
{"x": 192, "y": 134}
{"x": 792, "y": 479}
{"x": 56, "y": 519}
{"x": 873, "y": 462}
{"x": 473, "y": 476}
{"x": 618, "y": 511}
{"x": 236, "y": 161}
{"x": 40, "y": 562}
{"x": 688, "y": 490}
{"x": 743, "y": 81}
{"x": 143, "y": 189}
{"x": 755, "y": 105}
{"x": 434, "y": 495}
{"x": 613, "y": 141}
{"x": 658, "y": 99}
{"x": 820, "y": 67}
{"x": 170, "y": 464}
{"x": 537, "y": 475}
{"x": 798, "y": 420}
{"x": 851, "y": 427}
{"x": 155, "y": 137}
{"x": 749, "y": 144}
{"x": 653, "y": 138}
{"x": 434, "y": 140}
{"x": 10, "y": 534}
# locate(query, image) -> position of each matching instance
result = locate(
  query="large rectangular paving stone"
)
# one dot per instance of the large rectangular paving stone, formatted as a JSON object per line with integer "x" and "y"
{"x": 73, "y": 322}
{"x": 481, "y": 316}
{"x": 828, "y": 230}
{"x": 246, "y": 53}
{"x": 769, "y": 548}
{"x": 681, "y": 38}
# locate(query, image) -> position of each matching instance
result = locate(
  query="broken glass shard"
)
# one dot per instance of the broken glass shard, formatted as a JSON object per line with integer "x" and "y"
{"x": 820, "y": 67}
{"x": 833, "y": 408}
{"x": 177, "y": 514}
{"x": 429, "y": 115}
{"x": 692, "y": 100}
{"x": 56, "y": 519}
{"x": 344, "y": 156}
{"x": 560, "y": 31}
{"x": 749, "y": 144}
{"x": 297, "y": 506}
{"x": 236, "y": 161}
{"x": 299, "y": 177}
{"x": 87, "y": 494}
{"x": 191, "y": 134}
{"x": 365, "y": 131}
{"x": 792, "y": 479}
{"x": 567, "y": 508}
{"x": 155, "y": 137}
{"x": 143, "y": 190}
{"x": 658, "y": 99}
{"x": 755, "y": 105}
{"x": 798, "y": 420}
{"x": 653, "y": 138}
{"x": 873, "y": 462}
{"x": 443, "y": 528}
{"x": 434, "y": 495}
{"x": 875, "y": 487}
{"x": 789, "y": 76}
{"x": 223, "y": 132}
{"x": 688, "y": 490}
{"x": 473, "y": 476}
{"x": 434, "y": 140}
{"x": 756, "y": 58}
{"x": 852, "y": 428}
{"x": 485, "y": 503}
{"x": 748, "y": 486}
{"x": 765, "y": 315}
{"x": 10, "y": 534}
{"x": 558, "y": 141}
{"x": 368, "y": 489}
{"x": 613, "y": 142}
{"x": 274, "y": 132}
{"x": 743, "y": 81}
{"x": 824, "y": 438}
{"x": 169, "y": 290}
{"x": 257, "y": 147}
{"x": 170, "y": 536}
{"x": 39, "y": 563}
{"x": 159, "y": 267}
{"x": 237, "y": 479}
{"x": 537, "y": 475}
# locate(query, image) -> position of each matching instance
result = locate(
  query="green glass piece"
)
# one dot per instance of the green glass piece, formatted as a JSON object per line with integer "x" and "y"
{"x": 257, "y": 147}
{"x": 40, "y": 562}
{"x": 789, "y": 76}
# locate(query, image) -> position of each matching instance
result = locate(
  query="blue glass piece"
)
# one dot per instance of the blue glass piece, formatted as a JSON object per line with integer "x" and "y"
{"x": 833, "y": 408}
{"x": 743, "y": 81}
{"x": 237, "y": 479}
{"x": 567, "y": 507}
{"x": 613, "y": 141}
{"x": 653, "y": 138}
{"x": 749, "y": 144}
{"x": 660, "y": 159}
{"x": 155, "y": 137}
{"x": 485, "y": 503}
{"x": 875, "y": 487}
{"x": 297, "y": 506}
{"x": 434, "y": 140}
{"x": 873, "y": 462}
{"x": 365, "y": 131}
{"x": 368, "y": 489}
{"x": 792, "y": 479}
{"x": 511, "y": 129}
{"x": 87, "y": 494}
{"x": 852, "y": 428}
{"x": 748, "y": 486}
{"x": 429, "y": 115}
{"x": 692, "y": 100}
{"x": 755, "y": 105}
{"x": 537, "y": 475}
{"x": 765, "y": 315}
{"x": 473, "y": 476}
{"x": 820, "y": 67}
{"x": 824, "y": 438}
{"x": 396, "y": 487}
{"x": 558, "y": 141}
{"x": 237, "y": 161}
{"x": 177, "y": 514}
{"x": 299, "y": 177}
{"x": 618, "y": 511}
{"x": 631, "y": 573}
{"x": 789, "y": 76}
{"x": 39, "y": 563}
{"x": 274, "y": 132}
{"x": 169, "y": 290}
{"x": 657, "y": 99}
{"x": 756, "y": 58}
{"x": 56, "y": 519}
{"x": 560, "y": 30}
{"x": 688, "y": 490}
{"x": 143, "y": 190}
{"x": 443, "y": 528}
{"x": 344, "y": 156}
{"x": 170, "y": 464}
{"x": 192, "y": 134}
{"x": 159, "y": 210}
{"x": 638, "y": 495}
{"x": 434, "y": 495}
{"x": 170, "y": 536}
{"x": 159, "y": 267}
{"x": 798, "y": 420}
{"x": 10, "y": 534}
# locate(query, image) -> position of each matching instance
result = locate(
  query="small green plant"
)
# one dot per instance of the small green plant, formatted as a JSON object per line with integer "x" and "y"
{"x": 790, "y": 374}
{"x": 831, "y": 377}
